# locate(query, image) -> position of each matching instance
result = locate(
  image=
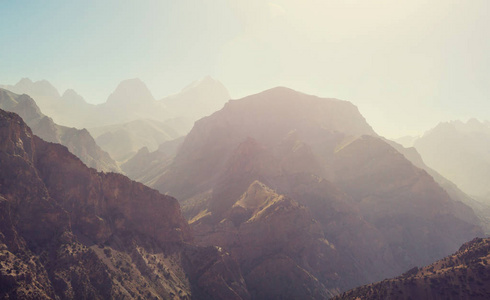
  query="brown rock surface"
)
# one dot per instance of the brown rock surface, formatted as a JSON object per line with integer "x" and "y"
{"x": 70, "y": 232}
{"x": 462, "y": 275}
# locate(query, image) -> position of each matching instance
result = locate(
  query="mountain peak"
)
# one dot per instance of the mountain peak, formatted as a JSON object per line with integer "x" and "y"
{"x": 70, "y": 96}
{"x": 256, "y": 195}
{"x": 131, "y": 91}
{"x": 41, "y": 88}
{"x": 205, "y": 81}
{"x": 24, "y": 80}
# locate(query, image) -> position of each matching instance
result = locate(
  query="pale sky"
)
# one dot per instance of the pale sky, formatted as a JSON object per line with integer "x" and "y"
{"x": 407, "y": 65}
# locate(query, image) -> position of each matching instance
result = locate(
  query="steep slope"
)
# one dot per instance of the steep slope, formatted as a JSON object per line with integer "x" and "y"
{"x": 391, "y": 191}
{"x": 460, "y": 152}
{"x": 381, "y": 213}
{"x": 146, "y": 166}
{"x": 79, "y": 142}
{"x": 281, "y": 249}
{"x": 70, "y": 232}
{"x": 463, "y": 275}
{"x": 280, "y": 111}
{"x": 481, "y": 209}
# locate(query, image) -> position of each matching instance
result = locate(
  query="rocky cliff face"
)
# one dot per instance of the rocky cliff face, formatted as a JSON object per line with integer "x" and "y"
{"x": 380, "y": 214}
{"x": 70, "y": 232}
{"x": 462, "y": 275}
{"x": 79, "y": 142}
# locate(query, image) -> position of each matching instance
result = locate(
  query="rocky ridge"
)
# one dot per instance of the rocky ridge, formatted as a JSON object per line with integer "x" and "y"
{"x": 70, "y": 232}
{"x": 462, "y": 275}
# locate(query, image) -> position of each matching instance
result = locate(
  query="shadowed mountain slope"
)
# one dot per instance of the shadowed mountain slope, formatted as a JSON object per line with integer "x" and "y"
{"x": 69, "y": 232}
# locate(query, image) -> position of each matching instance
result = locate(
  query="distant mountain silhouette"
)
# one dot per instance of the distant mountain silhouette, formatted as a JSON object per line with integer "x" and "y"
{"x": 199, "y": 99}
{"x": 461, "y": 153}
{"x": 131, "y": 118}
{"x": 130, "y": 101}
{"x": 79, "y": 142}
{"x": 122, "y": 141}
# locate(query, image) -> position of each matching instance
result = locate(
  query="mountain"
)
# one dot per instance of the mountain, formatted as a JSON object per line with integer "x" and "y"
{"x": 406, "y": 141}
{"x": 46, "y": 94}
{"x": 281, "y": 248}
{"x": 463, "y": 275}
{"x": 79, "y": 142}
{"x": 280, "y": 110}
{"x": 65, "y": 109}
{"x": 199, "y": 99}
{"x": 461, "y": 153}
{"x": 372, "y": 213}
{"x": 69, "y": 232}
{"x": 146, "y": 166}
{"x": 481, "y": 209}
{"x": 130, "y": 101}
{"x": 122, "y": 141}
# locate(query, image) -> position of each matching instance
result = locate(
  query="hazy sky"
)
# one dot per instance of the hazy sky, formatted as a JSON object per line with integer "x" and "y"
{"x": 406, "y": 64}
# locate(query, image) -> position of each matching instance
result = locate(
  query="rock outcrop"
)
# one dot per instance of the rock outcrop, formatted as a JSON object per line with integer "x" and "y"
{"x": 69, "y": 232}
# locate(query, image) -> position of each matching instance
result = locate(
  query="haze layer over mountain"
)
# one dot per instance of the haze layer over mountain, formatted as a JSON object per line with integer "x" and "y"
{"x": 131, "y": 100}
{"x": 79, "y": 142}
{"x": 460, "y": 152}
{"x": 252, "y": 174}
{"x": 122, "y": 141}
{"x": 131, "y": 118}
